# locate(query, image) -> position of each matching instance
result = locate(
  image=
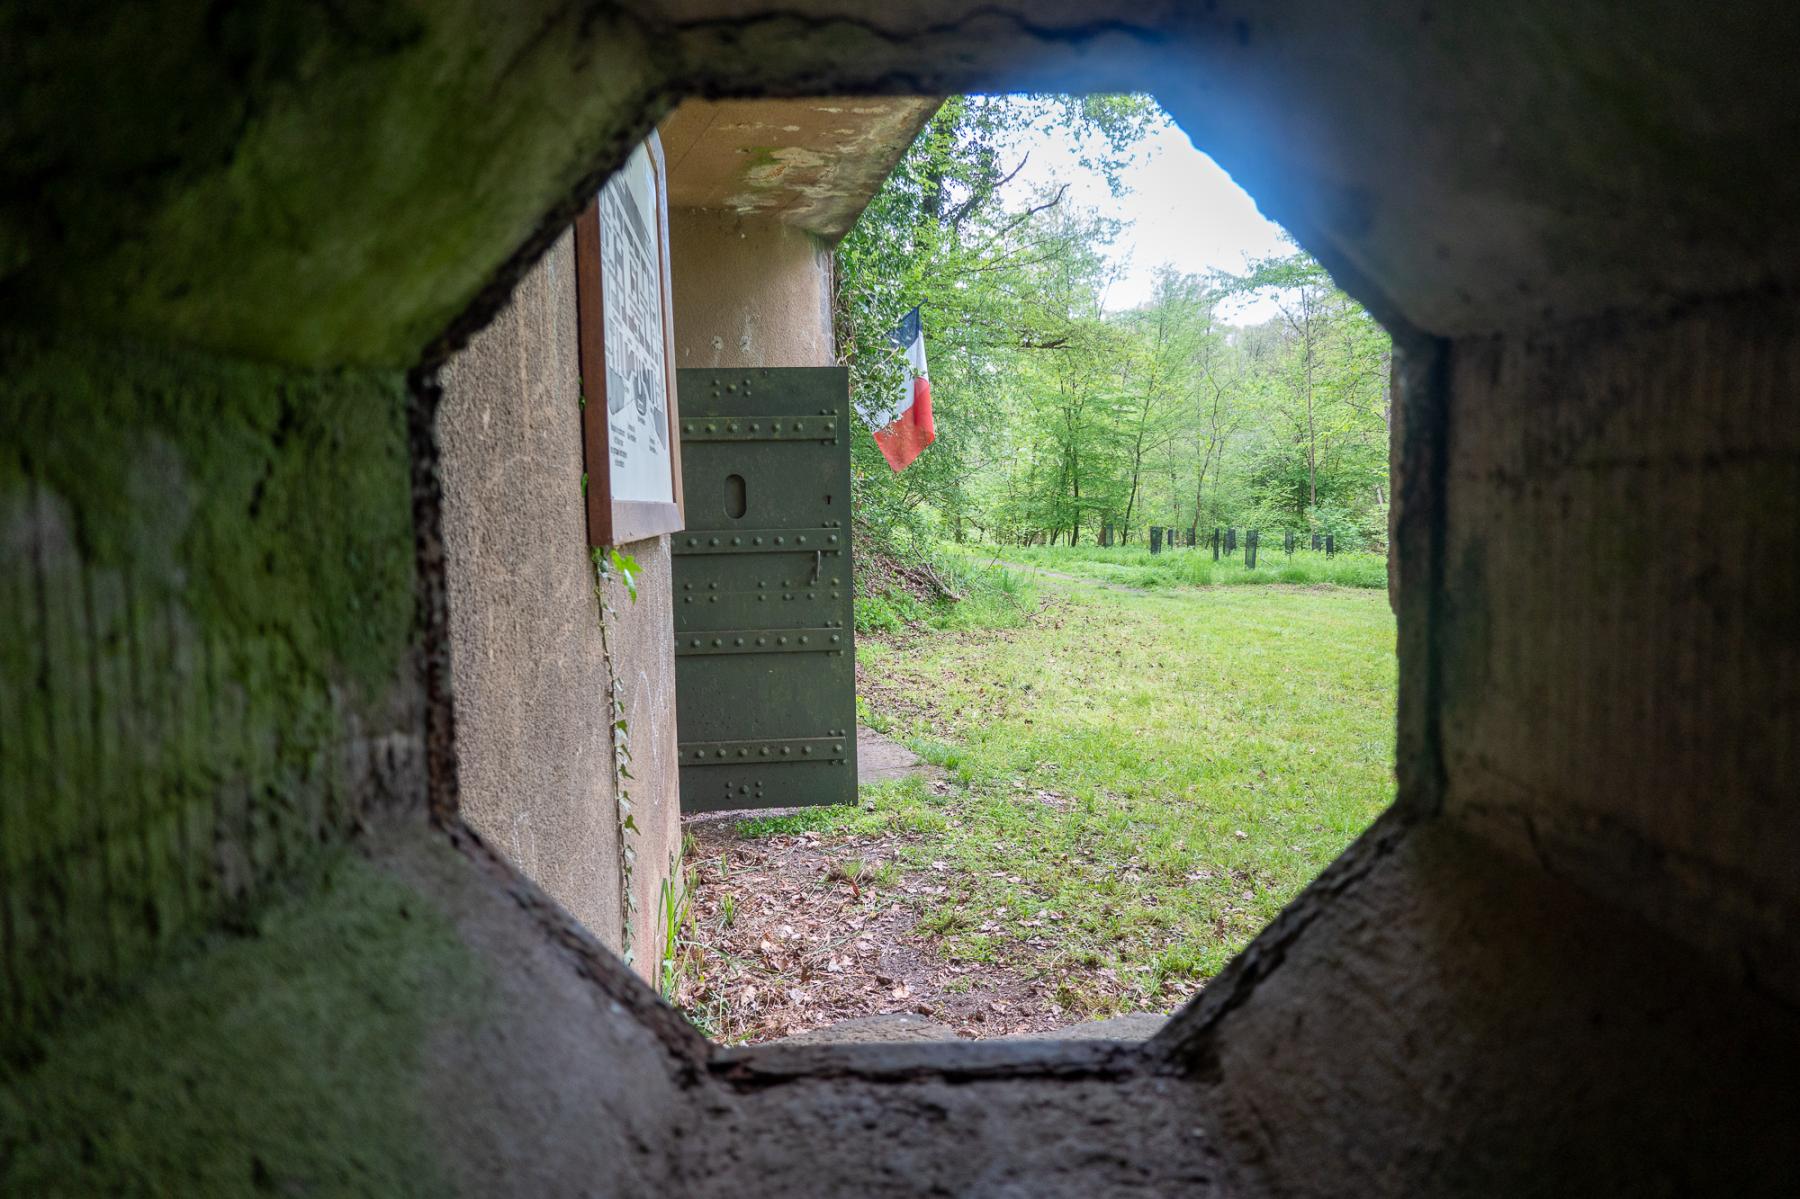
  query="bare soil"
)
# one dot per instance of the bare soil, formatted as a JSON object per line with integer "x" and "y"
{"x": 815, "y": 937}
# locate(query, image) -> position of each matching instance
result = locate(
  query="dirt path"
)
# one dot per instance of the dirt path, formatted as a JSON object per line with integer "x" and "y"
{"x": 807, "y": 930}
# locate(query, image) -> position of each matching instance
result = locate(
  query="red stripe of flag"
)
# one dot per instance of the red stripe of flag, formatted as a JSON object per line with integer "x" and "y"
{"x": 909, "y": 428}
{"x": 901, "y": 441}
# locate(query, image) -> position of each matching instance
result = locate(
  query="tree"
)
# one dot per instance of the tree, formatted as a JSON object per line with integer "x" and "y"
{"x": 939, "y": 235}
{"x": 1056, "y": 415}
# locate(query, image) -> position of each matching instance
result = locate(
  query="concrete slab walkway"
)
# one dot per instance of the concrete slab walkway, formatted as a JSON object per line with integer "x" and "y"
{"x": 881, "y": 759}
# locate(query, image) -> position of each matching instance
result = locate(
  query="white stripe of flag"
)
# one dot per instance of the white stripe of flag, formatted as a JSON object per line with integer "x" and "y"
{"x": 904, "y": 427}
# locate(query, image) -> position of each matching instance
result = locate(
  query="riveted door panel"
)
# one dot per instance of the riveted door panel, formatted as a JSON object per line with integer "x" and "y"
{"x": 765, "y": 668}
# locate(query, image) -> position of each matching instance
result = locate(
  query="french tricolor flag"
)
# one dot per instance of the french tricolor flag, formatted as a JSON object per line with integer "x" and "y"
{"x": 904, "y": 427}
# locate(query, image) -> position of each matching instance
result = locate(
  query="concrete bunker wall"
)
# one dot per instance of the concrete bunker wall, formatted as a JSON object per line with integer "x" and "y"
{"x": 749, "y": 292}
{"x": 210, "y": 669}
{"x": 1620, "y": 656}
{"x": 1496, "y": 991}
{"x": 529, "y": 673}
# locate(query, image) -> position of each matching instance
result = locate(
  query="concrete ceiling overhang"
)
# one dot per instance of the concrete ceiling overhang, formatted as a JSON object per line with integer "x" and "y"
{"x": 811, "y": 163}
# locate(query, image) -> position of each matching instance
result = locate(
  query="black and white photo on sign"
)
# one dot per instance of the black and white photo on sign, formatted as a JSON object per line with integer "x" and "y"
{"x": 637, "y": 399}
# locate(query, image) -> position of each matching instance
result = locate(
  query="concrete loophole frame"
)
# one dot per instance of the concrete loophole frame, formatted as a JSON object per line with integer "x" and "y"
{"x": 1562, "y": 962}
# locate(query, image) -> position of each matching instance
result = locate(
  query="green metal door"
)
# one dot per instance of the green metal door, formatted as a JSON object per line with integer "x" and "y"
{"x": 765, "y": 674}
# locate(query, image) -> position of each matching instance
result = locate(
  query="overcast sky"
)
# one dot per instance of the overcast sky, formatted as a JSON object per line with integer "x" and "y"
{"x": 1182, "y": 209}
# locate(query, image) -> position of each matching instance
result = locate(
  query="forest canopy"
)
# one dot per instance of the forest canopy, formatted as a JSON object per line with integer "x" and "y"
{"x": 1056, "y": 415}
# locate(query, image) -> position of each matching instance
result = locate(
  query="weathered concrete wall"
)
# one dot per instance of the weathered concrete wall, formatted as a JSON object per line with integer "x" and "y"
{"x": 528, "y": 667}
{"x": 810, "y": 163}
{"x": 206, "y": 592}
{"x": 416, "y": 1020}
{"x": 292, "y": 187}
{"x": 748, "y": 292}
{"x": 1433, "y": 1018}
{"x": 1621, "y": 643}
{"x": 213, "y": 663}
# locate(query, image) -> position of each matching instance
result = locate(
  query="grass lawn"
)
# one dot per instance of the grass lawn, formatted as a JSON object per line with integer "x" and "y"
{"x": 1137, "y": 781}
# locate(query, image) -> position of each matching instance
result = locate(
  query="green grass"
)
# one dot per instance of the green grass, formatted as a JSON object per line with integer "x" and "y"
{"x": 1135, "y": 566}
{"x": 1138, "y": 781}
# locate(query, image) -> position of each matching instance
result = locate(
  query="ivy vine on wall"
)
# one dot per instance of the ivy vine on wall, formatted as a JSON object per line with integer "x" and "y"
{"x": 612, "y": 566}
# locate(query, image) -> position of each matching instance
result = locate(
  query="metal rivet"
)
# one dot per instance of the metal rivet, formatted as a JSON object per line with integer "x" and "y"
{"x": 806, "y": 749}
{"x": 738, "y": 641}
{"x": 802, "y": 641}
{"x": 693, "y": 541}
{"x": 835, "y": 640}
{"x": 718, "y": 641}
{"x": 836, "y": 595}
{"x": 721, "y": 753}
{"x": 762, "y": 641}
{"x": 714, "y": 541}
{"x": 756, "y": 541}
{"x": 781, "y": 641}
{"x": 778, "y": 541}
{"x": 695, "y": 641}
{"x": 743, "y": 753}
{"x": 832, "y": 539}
{"x": 712, "y": 428}
{"x": 712, "y": 599}
{"x": 737, "y": 541}
{"x": 785, "y": 750}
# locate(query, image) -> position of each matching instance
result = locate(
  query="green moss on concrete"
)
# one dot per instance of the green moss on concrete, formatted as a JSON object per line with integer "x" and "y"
{"x": 207, "y": 583}
{"x": 272, "y": 498}
{"x": 289, "y": 1059}
{"x": 293, "y": 181}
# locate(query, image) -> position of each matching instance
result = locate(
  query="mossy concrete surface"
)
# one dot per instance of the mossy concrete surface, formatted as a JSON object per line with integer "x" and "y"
{"x": 316, "y": 184}
{"x": 287, "y": 1057}
{"x": 350, "y": 183}
{"x": 206, "y": 578}
{"x": 210, "y": 674}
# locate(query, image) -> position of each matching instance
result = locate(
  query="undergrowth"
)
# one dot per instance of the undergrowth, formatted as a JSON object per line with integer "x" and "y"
{"x": 899, "y": 589}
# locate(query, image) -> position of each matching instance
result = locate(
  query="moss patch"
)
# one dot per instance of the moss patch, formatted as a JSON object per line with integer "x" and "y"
{"x": 206, "y": 572}
{"x": 299, "y": 182}
{"x": 286, "y": 1060}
